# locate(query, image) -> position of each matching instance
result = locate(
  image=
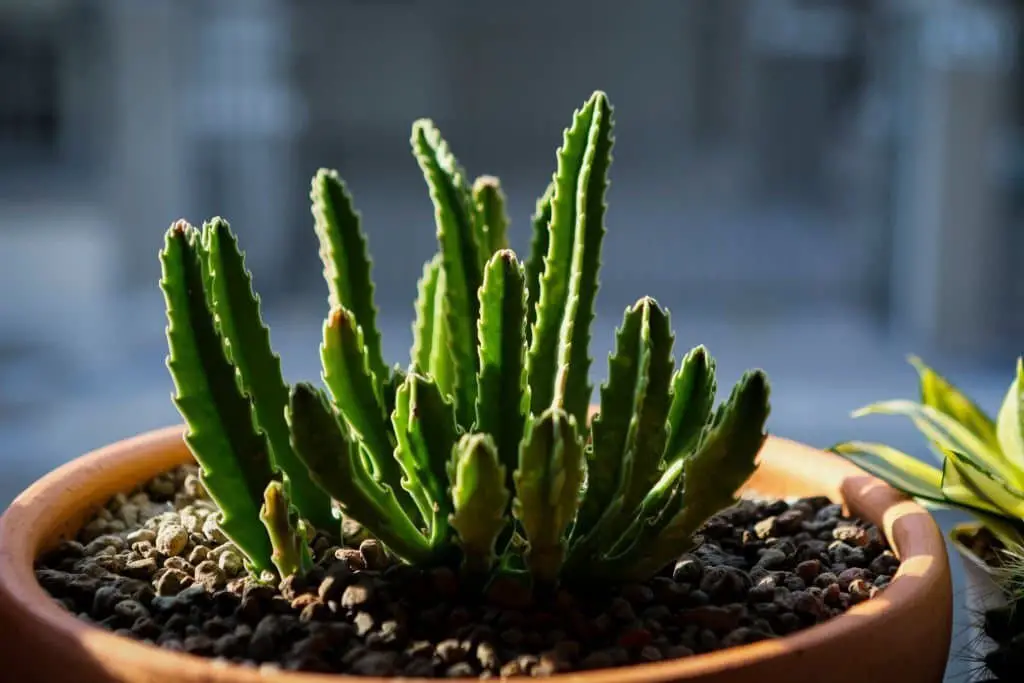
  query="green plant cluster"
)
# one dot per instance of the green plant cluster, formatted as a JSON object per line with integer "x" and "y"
{"x": 979, "y": 467}
{"x": 480, "y": 453}
{"x": 979, "y": 461}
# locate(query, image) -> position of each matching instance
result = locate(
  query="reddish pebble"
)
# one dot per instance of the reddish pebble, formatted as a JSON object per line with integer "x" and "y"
{"x": 635, "y": 638}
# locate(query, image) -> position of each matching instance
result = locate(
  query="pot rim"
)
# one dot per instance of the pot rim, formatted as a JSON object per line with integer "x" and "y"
{"x": 55, "y": 506}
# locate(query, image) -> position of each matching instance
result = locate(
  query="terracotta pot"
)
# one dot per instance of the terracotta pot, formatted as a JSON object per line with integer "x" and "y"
{"x": 903, "y": 634}
{"x": 982, "y": 593}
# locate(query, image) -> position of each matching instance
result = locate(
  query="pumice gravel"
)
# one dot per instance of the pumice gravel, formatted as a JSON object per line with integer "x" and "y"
{"x": 153, "y": 566}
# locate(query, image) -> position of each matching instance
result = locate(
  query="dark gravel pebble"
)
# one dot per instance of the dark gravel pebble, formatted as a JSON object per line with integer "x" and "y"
{"x": 154, "y": 566}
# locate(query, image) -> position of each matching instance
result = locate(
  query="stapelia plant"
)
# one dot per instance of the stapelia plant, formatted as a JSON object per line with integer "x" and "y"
{"x": 979, "y": 461}
{"x": 479, "y": 454}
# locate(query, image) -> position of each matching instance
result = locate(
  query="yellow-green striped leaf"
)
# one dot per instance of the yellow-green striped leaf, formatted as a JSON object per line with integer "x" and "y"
{"x": 1010, "y": 425}
{"x": 947, "y": 434}
{"x": 941, "y": 394}
{"x": 898, "y": 469}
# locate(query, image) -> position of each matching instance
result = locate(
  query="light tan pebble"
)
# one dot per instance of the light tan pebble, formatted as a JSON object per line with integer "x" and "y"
{"x": 230, "y": 563}
{"x": 190, "y": 520}
{"x": 179, "y": 563}
{"x": 221, "y": 549}
{"x": 171, "y": 539}
{"x": 211, "y": 529}
{"x": 172, "y": 582}
{"x": 169, "y": 517}
{"x": 193, "y": 487}
{"x": 147, "y": 535}
{"x": 198, "y": 554}
{"x": 210, "y": 575}
{"x": 141, "y": 569}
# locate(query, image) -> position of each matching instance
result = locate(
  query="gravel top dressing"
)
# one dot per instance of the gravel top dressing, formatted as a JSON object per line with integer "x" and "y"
{"x": 153, "y": 566}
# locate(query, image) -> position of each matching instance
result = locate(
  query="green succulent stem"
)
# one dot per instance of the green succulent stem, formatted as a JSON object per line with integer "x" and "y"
{"x": 547, "y": 485}
{"x": 287, "y": 536}
{"x": 629, "y": 434}
{"x": 724, "y": 460}
{"x": 480, "y": 497}
{"x": 246, "y": 339}
{"x": 503, "y": 397}
{"x": 356, "y": 394}
{"x": 559, "y": 358}
{"x": 541, "y": 224}
{"x": 489, "y": 202}
{"x": 347, "y": 265}
{"x": 335, "y": 462}
{"x": 424, "y": 329}
{"x": 693, "y": 399}
{"x": 461, "y": 262}
{"x": 619, "y": 561}
{"x": 424, "y": 424}
{"x": 233, "y": 457}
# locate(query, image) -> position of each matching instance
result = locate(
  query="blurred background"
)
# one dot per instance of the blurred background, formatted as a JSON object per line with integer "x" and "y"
{"x": 815, "y": 187}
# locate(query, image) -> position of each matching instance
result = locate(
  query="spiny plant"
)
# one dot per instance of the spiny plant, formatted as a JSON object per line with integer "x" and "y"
{"x": 480, "y": 452}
